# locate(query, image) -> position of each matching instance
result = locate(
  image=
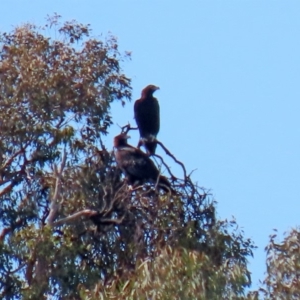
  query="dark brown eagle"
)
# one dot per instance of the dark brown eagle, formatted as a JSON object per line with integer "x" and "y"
{"x": 136, "y": 165}
{"x": 146, "y": 114}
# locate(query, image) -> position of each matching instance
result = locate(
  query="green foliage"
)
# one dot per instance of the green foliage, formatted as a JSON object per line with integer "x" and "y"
{"x": 54, "y": 107}
{"x": 283, "y": 268}
{"x": 175, "y": 273}
{"x": 70, "y": 228}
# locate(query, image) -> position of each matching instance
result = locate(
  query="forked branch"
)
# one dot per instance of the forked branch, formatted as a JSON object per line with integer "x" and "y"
{"x": 174, "y": 158}
{"x": 125, "y": 129}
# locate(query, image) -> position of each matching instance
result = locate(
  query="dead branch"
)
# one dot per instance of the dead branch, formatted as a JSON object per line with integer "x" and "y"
{"x": 125, "y": 129}
{"x": 173, "y": 177}
{"x": 174, "y": 158}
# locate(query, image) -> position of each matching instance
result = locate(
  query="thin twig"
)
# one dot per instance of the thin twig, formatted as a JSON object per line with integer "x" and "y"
{"x": 174, "y": 158}
{"x": 125, "y": 129}
{"x": 173, "y": 177}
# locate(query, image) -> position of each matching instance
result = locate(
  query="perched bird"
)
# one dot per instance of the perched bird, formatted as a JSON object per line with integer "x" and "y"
{"x": 146, "y": 114}
{"x": 136, "y": 165}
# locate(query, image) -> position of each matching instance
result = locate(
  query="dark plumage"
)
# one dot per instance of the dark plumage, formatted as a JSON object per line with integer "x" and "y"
{"x": 146, "y": 113}
{"x": 136, "y": 165}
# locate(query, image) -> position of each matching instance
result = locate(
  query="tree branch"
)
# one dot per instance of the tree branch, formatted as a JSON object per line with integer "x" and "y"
{"x": 167, "y": 167}
{"x": 9, "y": 161}
{"x": 54, "y": 201}
{"x": 86, "y": 213}
{"x": 4, "y": 232}
{"x": 174, "y": 158}
{"x": 7, "y": 230}
{"x": 7, "y": 189}
{"x": 125, "y": 129}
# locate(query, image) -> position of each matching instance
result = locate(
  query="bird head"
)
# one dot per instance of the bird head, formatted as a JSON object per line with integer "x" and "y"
{"x": 121, "y": 140}
{"x": 149, "y": 90}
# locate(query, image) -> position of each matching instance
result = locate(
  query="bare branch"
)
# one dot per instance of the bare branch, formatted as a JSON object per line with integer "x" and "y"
{"x": 85, "y": 213}
{"x": 127, "y": 128}
{"x": 113, "y": 221}
{"x": 30, "y": 266}
{"x": 54, "y": 201}
{"x": 18, "y": 268}
{"x": 9, "y": 161}
{"x": 7, "y": 189}
{"x": 175, "y": 159}
{"x": 173, "y": 177}
{"x": 192, "y": 172}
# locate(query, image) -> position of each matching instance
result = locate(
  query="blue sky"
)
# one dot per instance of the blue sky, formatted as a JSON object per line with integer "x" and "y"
{"x": 229, "y": 74}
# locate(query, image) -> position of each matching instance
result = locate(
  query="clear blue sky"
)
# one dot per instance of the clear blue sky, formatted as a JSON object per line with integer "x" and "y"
{"x": 229, "y": 73}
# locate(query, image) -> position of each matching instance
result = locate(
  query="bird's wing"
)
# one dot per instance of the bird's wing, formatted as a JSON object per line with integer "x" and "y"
{"x": 137, "y": 163}
{"x": 146, "y": 113}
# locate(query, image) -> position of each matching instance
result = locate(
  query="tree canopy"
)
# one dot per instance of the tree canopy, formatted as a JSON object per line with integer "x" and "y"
{"x": 70, "y": 228}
